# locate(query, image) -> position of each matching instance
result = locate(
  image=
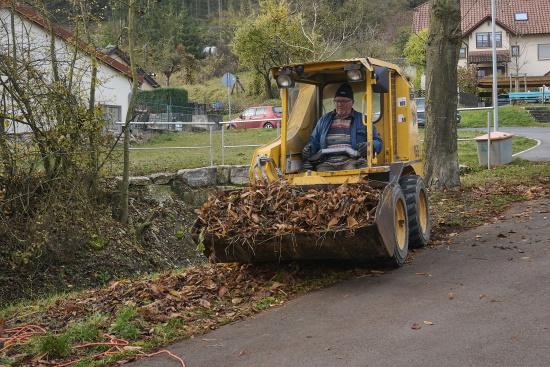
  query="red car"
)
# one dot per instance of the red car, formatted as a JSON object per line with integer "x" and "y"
{"x": 267, "y": 117}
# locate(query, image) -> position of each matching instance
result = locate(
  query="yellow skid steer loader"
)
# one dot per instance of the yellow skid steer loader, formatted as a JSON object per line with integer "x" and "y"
{"x": 400, "y": 218}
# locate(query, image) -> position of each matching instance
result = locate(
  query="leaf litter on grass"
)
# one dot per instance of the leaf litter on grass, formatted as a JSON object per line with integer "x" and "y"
{"x": 201, "y": 298}
{"x": 207, "y": 296}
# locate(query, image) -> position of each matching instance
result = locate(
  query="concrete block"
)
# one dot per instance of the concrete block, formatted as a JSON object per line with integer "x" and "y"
{"x": 198, "y": 177}
{"x": 239, "y": 175}
{"x": 224, "y": 173}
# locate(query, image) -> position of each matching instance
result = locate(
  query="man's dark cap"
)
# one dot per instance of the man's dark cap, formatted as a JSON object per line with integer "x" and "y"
{"x": 344, "y": 91}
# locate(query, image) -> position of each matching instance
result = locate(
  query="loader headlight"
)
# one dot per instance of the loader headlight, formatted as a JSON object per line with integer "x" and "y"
{"x": 354, "y": 73}
{"x": 284, "y": 79}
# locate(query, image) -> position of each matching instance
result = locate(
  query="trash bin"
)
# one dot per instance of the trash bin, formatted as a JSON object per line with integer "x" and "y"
{"x": 501, "y": 148}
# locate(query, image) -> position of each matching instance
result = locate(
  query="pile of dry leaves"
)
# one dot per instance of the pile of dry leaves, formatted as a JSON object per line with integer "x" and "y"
{"x": 278, "y": 208}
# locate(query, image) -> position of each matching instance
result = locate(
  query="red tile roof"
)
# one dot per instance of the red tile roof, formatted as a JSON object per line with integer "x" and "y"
{"x": 474, "y": 12}
{"x": 33, "y": 16}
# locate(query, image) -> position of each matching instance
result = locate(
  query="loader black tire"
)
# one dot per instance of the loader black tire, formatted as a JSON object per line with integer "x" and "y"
{"x": 418, "y": 210}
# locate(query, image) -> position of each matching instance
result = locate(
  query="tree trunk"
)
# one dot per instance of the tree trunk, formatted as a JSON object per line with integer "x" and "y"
{"x": 442, "y": 51}
{"x": 220, "y": 18}
{"x": 129, "y": 116}
{"x": 268, "y": 90}
{"x": 7, "y": 162}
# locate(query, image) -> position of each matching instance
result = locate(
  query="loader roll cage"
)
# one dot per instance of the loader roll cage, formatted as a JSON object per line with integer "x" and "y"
{"x": 383, "y": 96}
{"x": 369, "y": 84}
{"x": 328, "y": 80}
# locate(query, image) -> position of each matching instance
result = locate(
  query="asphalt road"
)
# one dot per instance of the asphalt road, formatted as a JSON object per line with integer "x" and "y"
{"x": 482, "y": 301}
{"x": 485, "y": 300}
{"x": 542, "y": 134}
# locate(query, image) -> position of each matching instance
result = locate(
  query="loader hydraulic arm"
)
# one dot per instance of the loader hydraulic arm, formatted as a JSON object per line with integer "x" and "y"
{"x": 261, "y": 162}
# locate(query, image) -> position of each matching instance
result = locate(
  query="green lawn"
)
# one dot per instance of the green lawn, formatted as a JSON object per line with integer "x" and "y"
{"x": 170, "y": 156}
{"x": 508, "y": 116}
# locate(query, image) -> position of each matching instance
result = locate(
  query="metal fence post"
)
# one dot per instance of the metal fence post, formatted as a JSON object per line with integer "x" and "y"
{"x": 223, "y": 145}
{"x": 211, "y": 147}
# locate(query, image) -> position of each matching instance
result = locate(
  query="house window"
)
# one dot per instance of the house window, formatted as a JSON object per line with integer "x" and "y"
{"x": 515, "y": 50}
{"x": 484, "y": 39}
{"x": 488, "y": 71}
{"x": 462, "y": 53}
{"x": 544, "y": 51}
{"x": 111, "y": 115}
{"x": 521, "y": 16}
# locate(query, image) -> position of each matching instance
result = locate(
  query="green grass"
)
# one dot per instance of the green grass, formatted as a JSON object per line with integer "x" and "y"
{"x": 508, "y": 116}
{"x": 125, "y": 324}
{"x": 51, "y": 345}
{"x": 507, "y": 174}
{"x": 485, "y": 192}
{"x": 87, "y": 330}
{"x": 144, "y": 162}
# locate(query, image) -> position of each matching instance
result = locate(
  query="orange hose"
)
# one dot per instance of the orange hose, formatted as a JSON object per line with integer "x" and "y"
{"x": 22, "y": 334}
{"x": 164, "y": 351}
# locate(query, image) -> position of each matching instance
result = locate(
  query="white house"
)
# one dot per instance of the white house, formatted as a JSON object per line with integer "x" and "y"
{"x": 147, "y": 83}
{"x": 32, "y": 41}
{"x": 522, "y": 40}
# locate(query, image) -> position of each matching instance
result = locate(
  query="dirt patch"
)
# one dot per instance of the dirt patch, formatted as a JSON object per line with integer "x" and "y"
{"x": 59, "y": 251}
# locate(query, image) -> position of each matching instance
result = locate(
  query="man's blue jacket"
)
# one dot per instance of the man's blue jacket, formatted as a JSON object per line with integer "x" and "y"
{"x": 358, "y": 132}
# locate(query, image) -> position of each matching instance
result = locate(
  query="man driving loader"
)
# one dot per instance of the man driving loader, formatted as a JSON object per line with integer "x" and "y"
{"x": 340, "y": 128}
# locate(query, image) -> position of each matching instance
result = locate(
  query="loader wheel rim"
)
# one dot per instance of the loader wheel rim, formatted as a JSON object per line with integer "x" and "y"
{"x": 401, "y": 224}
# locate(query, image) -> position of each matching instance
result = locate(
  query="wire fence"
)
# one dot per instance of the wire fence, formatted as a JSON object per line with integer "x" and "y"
{"x": 176, "y": 124}
{"x": 242, "y": 146}
{"x": 153, "y": 115}
{"x": 209, "y": 125}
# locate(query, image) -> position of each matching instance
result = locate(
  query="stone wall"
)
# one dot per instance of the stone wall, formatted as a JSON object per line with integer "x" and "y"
{"x": 197, "y": 177}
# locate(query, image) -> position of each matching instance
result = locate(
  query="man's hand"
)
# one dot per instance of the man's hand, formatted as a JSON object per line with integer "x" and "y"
{"x": 306, "y": 153}
{"x": 362, "y": 149}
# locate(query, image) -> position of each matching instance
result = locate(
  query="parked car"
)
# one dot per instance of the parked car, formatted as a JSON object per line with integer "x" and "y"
{"x": 420, "y": 112}
{"x": 503, "y": 99}
{"x": 267, "y": 117}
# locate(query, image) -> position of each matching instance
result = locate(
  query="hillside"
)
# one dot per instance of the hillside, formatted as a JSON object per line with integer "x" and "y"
{"x": 49, "y": 241}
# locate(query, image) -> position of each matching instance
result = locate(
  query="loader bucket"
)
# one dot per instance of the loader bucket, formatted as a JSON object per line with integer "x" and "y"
{"x": 386, "y": 238}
